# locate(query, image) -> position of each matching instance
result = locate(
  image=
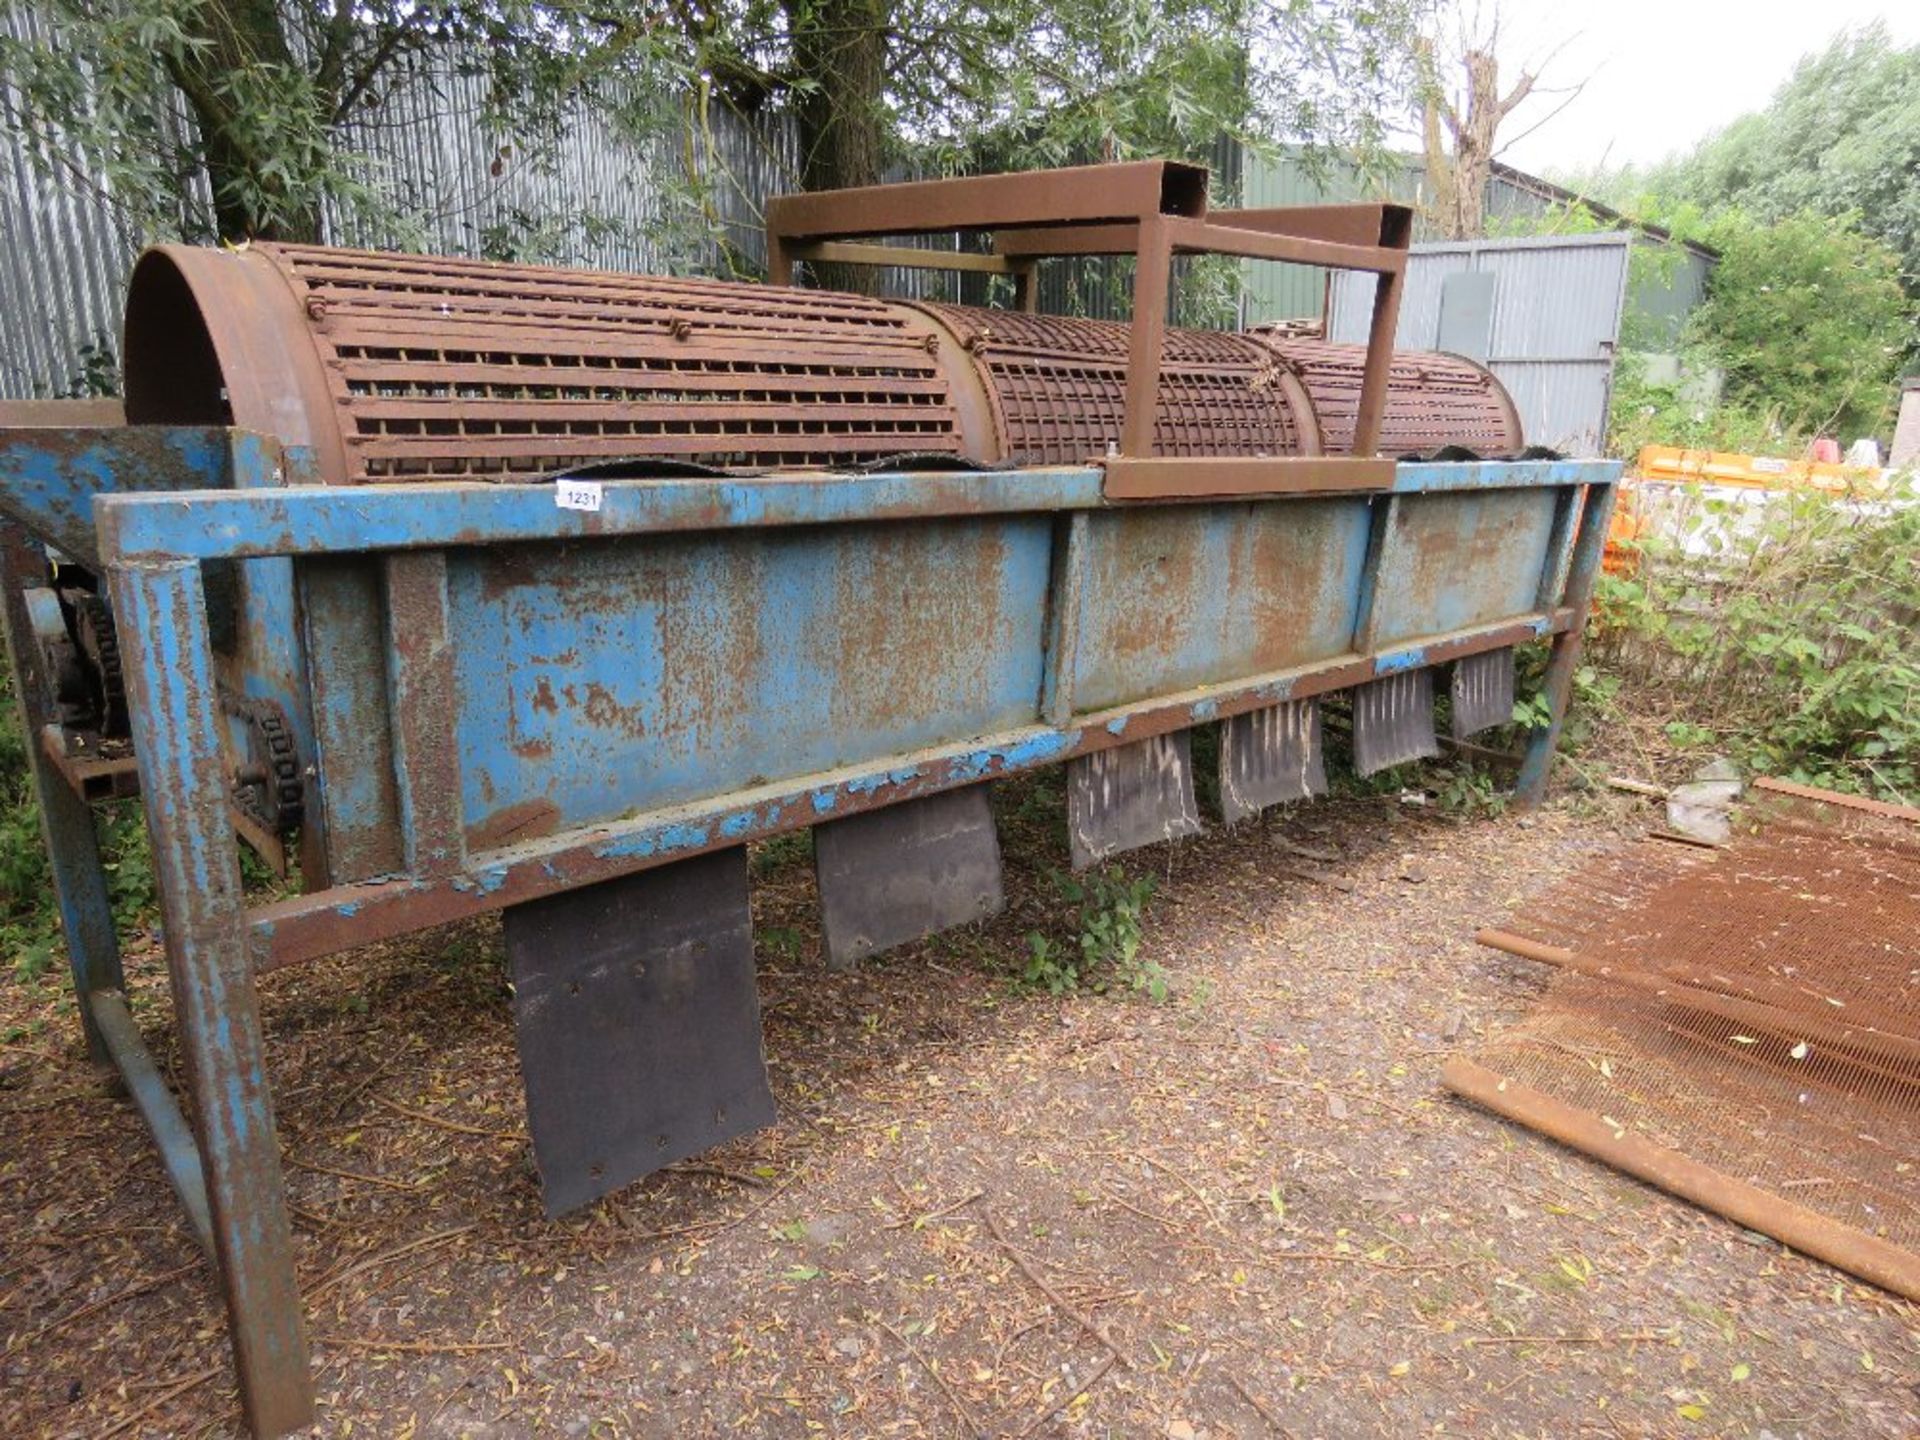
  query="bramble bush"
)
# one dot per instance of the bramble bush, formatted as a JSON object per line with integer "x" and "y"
{"x": 1784, "y": 636}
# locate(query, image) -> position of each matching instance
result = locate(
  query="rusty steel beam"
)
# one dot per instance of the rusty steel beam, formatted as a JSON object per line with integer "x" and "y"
{"x": 1396, "y": 232}
{"x": 184, "y": 782}
{"x": 1147, "y": 338}
{"x": 1890, "y": 1266}
{"x": 62, "y": 414}
{"x": 1861, "y": 803}
{"x": 1205, "y": 237}
{"x": 904, "y": 256}
{"x": 1157, "y": 478}
{"x": 148, "y": 1089}
{"x": 1595, "y": 513}
{"x": 66, "y": 819}
{"x": 1364, "y": 226}
{"x": 93, "y": 778}
{"x": 1075, "y": 195}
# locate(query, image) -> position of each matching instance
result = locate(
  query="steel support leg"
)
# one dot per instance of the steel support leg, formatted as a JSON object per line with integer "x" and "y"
{"x": 66, "y": 820}
{"x": 162, "y": 619}
{"x": 1588, "y": 549}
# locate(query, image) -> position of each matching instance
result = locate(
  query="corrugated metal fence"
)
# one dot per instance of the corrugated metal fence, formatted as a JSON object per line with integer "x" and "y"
{"x": 686, "y": 195}
{"x": 1543, "y": 313}
{"x": 1661, "y": 293}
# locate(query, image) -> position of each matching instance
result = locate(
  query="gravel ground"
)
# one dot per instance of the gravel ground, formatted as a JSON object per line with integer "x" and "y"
{"x": 1247, "y": 1211}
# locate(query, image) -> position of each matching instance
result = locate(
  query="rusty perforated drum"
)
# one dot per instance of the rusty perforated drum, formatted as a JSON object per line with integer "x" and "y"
{"x": 402, "y": 367}
{"x": 1434, "y": 400}
{"x": 1058, "y": 388}
{"x": 396, "y": 367}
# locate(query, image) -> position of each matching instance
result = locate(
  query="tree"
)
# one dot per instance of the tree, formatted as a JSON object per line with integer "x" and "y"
{"x": 1808, "y": 319}
{"x": 225, "y": 118}
{"x": 249, "y": 101}
{"x": 1461, "y": 125}
{"x": 1841, "y": 137}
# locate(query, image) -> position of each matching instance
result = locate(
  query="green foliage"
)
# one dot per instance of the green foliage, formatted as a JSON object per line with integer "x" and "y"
{"x": 29, "y": 923}
{"x": 1591, "y": 704}
{"x": 96, "y": 371}
{"x": 1805, "y": 322}
{"x": 1786, "y": 638}
{"x": 1812, "y": 204}
{"x": 1466, "y": 790}
{"x": 1676, "y": 412}
{"x": 1024, "y": 83}
{"x": 1808, "y": 319}
{"x": 1841, "y": 137}
{"x": 208, "y": 119}
{"x": 1100, "y": 950}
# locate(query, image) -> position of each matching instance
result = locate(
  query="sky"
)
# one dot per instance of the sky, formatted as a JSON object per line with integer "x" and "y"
{"x": 1660, "y": 74}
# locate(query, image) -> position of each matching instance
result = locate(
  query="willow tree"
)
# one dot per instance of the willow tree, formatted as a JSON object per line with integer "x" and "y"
{"x": 234, "y": 118}
{"x": 230, "y": 118}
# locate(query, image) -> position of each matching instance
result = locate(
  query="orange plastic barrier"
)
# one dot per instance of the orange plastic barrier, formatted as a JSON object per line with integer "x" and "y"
{"x": 1673, "y": 465}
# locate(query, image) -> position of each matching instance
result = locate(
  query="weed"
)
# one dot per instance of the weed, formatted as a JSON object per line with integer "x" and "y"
{"x": 1102, "y": 952}
{"x": 1468, "y": 791}
{"x": 792, "y": 848}
{"x": 1779, "y": 632}
{"x": 782, "y": 940}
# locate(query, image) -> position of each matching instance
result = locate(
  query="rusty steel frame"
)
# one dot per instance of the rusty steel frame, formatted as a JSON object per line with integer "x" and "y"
{"x": 155, "y": 532}
{"x": 1148, "y": 210}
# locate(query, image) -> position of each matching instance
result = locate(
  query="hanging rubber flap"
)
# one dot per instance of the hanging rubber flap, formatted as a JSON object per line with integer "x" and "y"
{"x": 1393, "y": 721}
{"x": 1481, "y": 690}
{"x": 1270, "y": 756}
{"x": 1129, "y": 796}
{"x": 637, "y": 1023}
{"x": 893, "y": 875}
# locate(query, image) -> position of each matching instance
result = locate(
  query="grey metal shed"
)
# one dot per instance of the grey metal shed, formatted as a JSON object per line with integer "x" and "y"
{"x": 1543, "y": 313}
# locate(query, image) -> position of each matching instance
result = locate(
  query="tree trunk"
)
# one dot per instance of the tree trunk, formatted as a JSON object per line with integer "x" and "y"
{"x": 840, "y": 60}
{"x": 234, "y": 34}
{"x": 1460, "y": 180}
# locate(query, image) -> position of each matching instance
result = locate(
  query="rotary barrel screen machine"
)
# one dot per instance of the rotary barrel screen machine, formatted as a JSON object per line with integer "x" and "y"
{"x": 492, "y": 588}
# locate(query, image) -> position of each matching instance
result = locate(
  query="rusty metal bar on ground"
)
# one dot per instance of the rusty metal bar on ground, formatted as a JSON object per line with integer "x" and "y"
{"x": 1835, "y": 797}
{"x": 1866, "y": 1256}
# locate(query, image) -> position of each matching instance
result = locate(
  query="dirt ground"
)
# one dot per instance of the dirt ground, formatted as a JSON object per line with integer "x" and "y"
{"x": 1250, "y": 1210}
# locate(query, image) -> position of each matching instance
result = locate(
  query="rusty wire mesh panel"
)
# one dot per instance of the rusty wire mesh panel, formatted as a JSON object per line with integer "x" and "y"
{"x": 1756, "y": 1010}
{"x": 1060, "y": 386}
{"x": 453, "y": 367}
{"x": 1433, "y": 399}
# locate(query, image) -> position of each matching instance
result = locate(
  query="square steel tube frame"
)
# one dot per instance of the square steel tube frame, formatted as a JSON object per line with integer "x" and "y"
{"x": 1147, "y": 209}
{"x": 153, "y": 546}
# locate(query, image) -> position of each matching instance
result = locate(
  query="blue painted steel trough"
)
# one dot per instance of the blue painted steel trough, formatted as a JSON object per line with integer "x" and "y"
{"x": 500, "y": 699}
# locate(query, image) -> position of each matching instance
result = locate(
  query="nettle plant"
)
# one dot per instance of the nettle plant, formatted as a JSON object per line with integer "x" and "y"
{"x": 1782, "y": 632}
